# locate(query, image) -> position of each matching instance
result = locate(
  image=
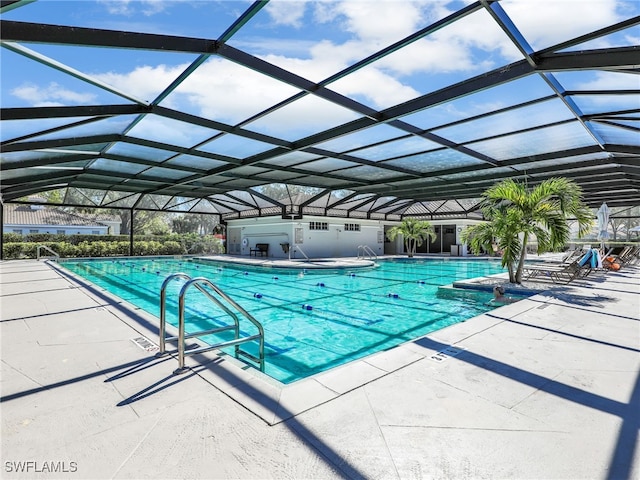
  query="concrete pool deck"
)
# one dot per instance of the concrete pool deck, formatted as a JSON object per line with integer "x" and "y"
{"x": 548, "y": 387}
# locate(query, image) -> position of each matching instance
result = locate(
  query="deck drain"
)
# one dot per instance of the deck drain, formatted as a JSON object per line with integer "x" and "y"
{"x": 145, "y": 344}
{"x": 450, "y": 351}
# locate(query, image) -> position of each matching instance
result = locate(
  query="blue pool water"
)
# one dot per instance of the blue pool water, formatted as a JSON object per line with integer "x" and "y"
{"x": 313, "y": 320}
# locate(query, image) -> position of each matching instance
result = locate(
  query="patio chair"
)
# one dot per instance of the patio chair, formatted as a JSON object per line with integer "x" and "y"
{"x": 571, "y": 255}
{"x": 634, "y": 256}
{"x": 631, "y": 256}
{"x": 614, "y": 261}
{"x": 626, "y": 256}
{"x": 561, "y": 273}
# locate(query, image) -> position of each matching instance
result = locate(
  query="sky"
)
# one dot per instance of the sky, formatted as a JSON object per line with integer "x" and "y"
{"x": 315, "y": 40}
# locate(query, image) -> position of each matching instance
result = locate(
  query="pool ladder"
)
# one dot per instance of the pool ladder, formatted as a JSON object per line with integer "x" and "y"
{"x": 200, "y": 283}
{"x": 366, "y": 250}
{"x": 56, "y": 257}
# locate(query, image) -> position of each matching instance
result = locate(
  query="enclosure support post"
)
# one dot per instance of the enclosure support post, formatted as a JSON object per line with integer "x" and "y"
{"x": 131, "y": 234}
{"x": 2, "y": 231}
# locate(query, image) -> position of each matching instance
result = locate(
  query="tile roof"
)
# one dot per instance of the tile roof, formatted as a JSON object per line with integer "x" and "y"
{"x": 26, "y": 215}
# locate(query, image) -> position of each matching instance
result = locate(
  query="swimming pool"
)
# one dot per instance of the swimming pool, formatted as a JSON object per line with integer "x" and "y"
{"x": 313, "y": 320}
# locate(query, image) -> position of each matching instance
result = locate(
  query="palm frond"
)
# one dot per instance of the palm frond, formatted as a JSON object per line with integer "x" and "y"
{"x": 517, "y": 213}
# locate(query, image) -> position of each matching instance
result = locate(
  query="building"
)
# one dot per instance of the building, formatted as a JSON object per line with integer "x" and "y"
{"x": 25, "y": 219}
{"x": 322, "y": 237}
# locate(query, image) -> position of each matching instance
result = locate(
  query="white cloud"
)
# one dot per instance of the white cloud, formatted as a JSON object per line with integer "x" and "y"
{"x": 429, "y": 55}
{"x": 303, "y": 117}
{"x": 50, "y": 95}
{"x": 145, "y": 82}
{"x": 552, "y": 21}
{"x": 633, "y": 40}
{"x": 286, "y": 12}
{"x": 118, "y": 7}
{"x": 218, "y": 89}
{"x": 381, "y": 89}
{"x": 223, "y": 90}
{"x": 320, "y": 65}
{"x": 611, "y": 81}
{"x": 168, "y": 131}
{"x": 375, "y": 23}
{"x": 132, "y": 7}
{"x": 227, "y": 92}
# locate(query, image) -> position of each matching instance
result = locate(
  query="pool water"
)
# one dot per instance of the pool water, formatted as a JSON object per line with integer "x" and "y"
{"x": 313, "y": 320}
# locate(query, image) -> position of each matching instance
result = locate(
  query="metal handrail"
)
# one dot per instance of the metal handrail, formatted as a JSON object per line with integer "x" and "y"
{"x": 182, "y": 352}
{"x": 371, "y": 252}
{"x": 296, "y": 247}
{"x": 366, "y": 249}
{"x": 44, "y": 247}
{"x": 163, "y": 318}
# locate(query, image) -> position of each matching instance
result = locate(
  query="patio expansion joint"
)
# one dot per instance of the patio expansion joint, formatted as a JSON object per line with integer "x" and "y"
{"x": 492, "y": 401}
{"x": 136, "y": 447}
{"x": 31, "y": 292}
{"x": 15, "y": 369}
{"x": 119, "y": 393}
{"x": 62, "y": 344}
{"x": 480, "y": 429}
{"x": 540, "y": 388}
{"x": 382, "y": 435}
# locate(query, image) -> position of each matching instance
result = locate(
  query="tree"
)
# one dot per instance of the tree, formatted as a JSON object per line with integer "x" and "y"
{"x": 515, "y": 213}
{"x": 621, "y": 220}
{"x": 414, "y": 232}
{"x": 185, "y": 224}
{"x": 145, "y": 222}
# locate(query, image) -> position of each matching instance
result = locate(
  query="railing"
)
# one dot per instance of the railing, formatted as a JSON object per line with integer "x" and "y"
{"x": 44, "y": 247}
{"x": 199, "y": 283}
{"x": 366, "y": 250}
{"x": 296, "y": 247}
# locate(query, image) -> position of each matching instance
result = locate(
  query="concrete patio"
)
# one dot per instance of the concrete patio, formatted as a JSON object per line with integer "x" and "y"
{"x": 548, "y": 387}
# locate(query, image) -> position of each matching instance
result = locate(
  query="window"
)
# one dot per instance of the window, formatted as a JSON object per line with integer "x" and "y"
{"x": 351, "y": 227}
{"x": 449, "y": 231}
{"x": 95, "y": 232}
{"x": 60, "y": 232}
{"x": 33, "y": 230}
{"x": 318, "y": 226}
{"x": 17, "y": 231}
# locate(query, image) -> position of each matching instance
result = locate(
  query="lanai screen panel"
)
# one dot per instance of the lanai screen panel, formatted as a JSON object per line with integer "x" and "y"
{"x": 193, "y": 106}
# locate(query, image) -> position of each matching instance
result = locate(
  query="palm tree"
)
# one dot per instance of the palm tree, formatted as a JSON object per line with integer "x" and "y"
{"x": 414, "y": 232}
{"x": 516, "y": 212}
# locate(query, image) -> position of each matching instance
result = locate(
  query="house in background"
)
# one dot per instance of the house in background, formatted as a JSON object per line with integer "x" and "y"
{"x": 25, "y": 219}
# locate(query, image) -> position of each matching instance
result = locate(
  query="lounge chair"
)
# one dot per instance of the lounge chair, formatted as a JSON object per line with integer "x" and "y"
{"x": 571, "y": 255}
{"x": 626, "y": 256}
{"x": 634, "y": 256}
{"x": 563, "y": 273}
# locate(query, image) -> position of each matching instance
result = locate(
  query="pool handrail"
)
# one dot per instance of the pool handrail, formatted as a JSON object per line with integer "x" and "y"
{"x": 44, "y": 247}
{"x": 296, "y": 247}
{"x": 182, "y": 351}
{"x": 366, "y": 249}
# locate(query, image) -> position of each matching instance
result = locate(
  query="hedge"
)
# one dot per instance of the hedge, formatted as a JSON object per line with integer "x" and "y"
{"x": 188, "y": 238}
{"x": 110, "y": 246}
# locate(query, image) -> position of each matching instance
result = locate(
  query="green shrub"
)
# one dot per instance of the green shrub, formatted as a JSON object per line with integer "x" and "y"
{"x": 108, "y": 245}
{"x": 12, "y": 238}
{"x": 171, "y": 248}
{"x": 12, "y": 250}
